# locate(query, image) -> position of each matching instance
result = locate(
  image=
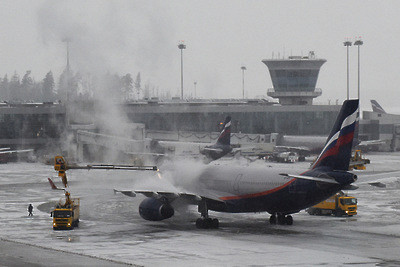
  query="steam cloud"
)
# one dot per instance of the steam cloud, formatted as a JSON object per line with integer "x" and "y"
{"x": 115, "y": 37}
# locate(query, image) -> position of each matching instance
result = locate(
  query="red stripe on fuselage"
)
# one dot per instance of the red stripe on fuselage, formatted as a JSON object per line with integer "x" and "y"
{"x": 259, "y": 194}
{"x": 341, "y": 141}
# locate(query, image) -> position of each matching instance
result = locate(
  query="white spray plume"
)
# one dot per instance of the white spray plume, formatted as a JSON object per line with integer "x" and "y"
{"x": 115, "y": 37}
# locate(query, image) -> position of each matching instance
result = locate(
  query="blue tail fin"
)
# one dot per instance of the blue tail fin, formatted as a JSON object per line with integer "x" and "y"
{"x": 225, "y": 136}
{"x": 337, "y": 150}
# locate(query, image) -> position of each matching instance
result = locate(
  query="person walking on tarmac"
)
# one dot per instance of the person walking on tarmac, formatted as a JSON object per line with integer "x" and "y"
{"x": 30, "y": 209}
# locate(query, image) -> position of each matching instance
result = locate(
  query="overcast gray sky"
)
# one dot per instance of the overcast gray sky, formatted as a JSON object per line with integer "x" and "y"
{"x": 221, "y": 36}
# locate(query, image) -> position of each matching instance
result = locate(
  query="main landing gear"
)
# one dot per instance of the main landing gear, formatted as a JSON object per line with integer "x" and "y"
{"x": 205, "y": 222}
{"x": 281, "y": 219}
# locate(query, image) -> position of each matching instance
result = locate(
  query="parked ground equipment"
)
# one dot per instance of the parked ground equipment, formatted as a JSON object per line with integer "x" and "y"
{"x": 357, "y": 161}
{"x": 66, "y": 215}
{"x": 339, "y": 204}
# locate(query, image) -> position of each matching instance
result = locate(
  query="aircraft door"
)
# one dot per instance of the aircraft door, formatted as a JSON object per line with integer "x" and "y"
{"x": 236, "y": 183}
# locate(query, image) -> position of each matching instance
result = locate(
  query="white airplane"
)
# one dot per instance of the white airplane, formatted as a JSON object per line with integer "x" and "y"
{"x": 235, "y": 189}
{"x": 193, "y": 149}
{"x": 5, "y": 153}
{"x": 376, "y": 107}
{"x": 6, "y": 150}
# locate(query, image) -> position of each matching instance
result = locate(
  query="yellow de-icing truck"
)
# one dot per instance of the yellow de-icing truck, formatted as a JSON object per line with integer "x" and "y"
{"x": 339, "y": 204}
{"x": 66, "y": 216}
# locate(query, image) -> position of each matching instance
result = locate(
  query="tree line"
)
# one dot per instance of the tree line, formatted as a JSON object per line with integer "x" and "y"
{"x": 71, "y": 87}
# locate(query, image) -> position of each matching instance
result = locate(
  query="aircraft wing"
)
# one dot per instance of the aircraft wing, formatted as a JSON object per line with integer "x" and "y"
{"x": 318, "y": 179}
{"x": 3, "y": 151}
{"x": 208, "y": 149}
{"x": 171, "y": 196}
{"x": 194, "y": 199}
{"x": 298, "y": 149}
{"x": 372, "y": 143}
{"x": 252, "y": 151}
{"x": 147, "y": 154}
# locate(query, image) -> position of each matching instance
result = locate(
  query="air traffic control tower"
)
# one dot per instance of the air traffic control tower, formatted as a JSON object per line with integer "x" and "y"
{"x": 294, "y": 79}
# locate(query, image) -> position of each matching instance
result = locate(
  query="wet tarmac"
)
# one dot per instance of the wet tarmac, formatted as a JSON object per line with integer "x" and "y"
{"x": 112, "y": 233}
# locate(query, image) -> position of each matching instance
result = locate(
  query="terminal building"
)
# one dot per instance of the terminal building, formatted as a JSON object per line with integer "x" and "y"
{"x": 31, "y": 125}
{"x": 294, "y": 80}
{"x": 252, "y": 116}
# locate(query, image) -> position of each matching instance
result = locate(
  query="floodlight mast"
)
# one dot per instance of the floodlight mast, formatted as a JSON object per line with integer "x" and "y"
{"x": 347, "y": 44}
{"x": 358, "y": 43}
{"x": 181, "y": 46}
{"x": 195, "y": 83}
{"x": 243, "y": 69}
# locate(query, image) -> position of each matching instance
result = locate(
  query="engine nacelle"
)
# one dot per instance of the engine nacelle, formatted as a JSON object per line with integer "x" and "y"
{"x": 152, "y": 209}
{"x": 343, "y": 177}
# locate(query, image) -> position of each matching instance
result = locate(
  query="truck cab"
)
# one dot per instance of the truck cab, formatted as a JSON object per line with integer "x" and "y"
{"x": 339, "y": 204}
{"x": 66, "y": 217}
{"x": 348, "y": 205}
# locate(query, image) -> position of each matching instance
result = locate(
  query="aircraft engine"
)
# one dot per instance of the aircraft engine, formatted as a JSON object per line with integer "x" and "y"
{"x": 153, "y": 209}
{"x": 343, "y": 177}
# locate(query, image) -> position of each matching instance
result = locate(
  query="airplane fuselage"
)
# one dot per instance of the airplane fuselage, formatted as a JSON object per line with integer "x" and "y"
{"x": 258, "y": 189}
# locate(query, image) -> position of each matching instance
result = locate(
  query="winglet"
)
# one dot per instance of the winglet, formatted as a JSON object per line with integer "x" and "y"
{"x": 53, "y": 186}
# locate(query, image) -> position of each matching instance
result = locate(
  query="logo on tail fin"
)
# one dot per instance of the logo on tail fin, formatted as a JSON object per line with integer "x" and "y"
{"x": 337, "y": 150}
{"x": 376, "y": 107}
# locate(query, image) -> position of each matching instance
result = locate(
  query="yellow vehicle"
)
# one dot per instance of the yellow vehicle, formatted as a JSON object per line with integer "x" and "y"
{"x": 66, "y": 216}
{"x": 338, "y": 205}
{"x": 357, "y": 161}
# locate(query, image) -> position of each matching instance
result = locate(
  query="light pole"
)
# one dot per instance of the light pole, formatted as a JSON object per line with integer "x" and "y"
{"x": 347, "y": 44}
{"x": 243, "y": 69}
{"x": 67, "y": 86}
{"x": 67, "y": 40}
{"x": 358, "y": 43}
{"x": 68, "y": 68}
{"x": 181, "y": 46}
{"x": 195, "y": 83}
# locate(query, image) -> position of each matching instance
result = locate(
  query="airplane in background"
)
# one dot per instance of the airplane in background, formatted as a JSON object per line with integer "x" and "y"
{"x": 368, "y": 145}
{"x": 233, "y": 188}
{"x": 223, "y": 144}
{"x": 371, "y": 144}
{"x": 6, "y": 153}
{"x": 223, "y": 147}
{"x": 302, "y": 146}
{"x": 376, "y": 107}
{"x": 193, "y": 149}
